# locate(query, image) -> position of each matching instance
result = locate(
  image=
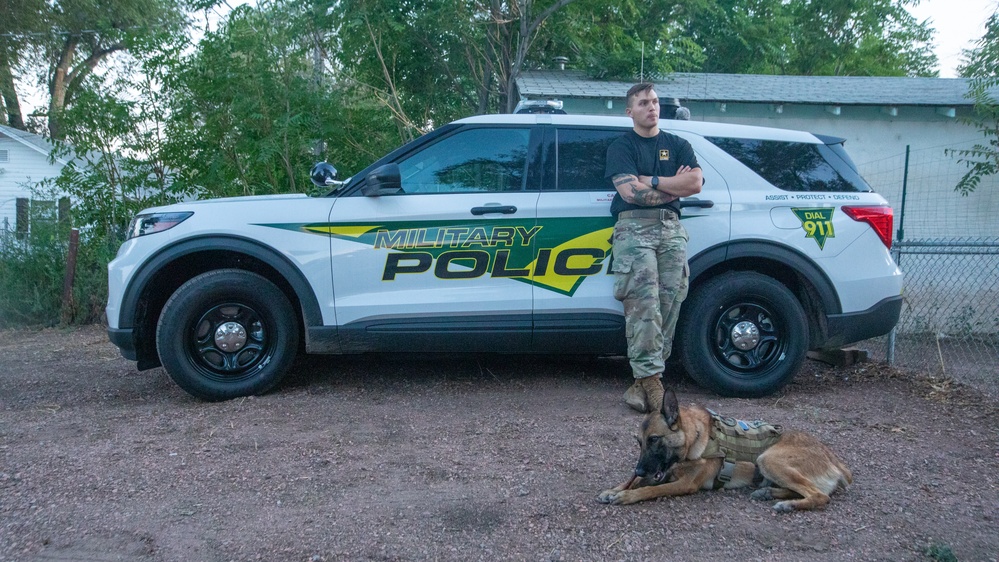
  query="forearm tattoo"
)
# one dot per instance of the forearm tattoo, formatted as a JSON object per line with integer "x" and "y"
{"x": 634, "y": 192}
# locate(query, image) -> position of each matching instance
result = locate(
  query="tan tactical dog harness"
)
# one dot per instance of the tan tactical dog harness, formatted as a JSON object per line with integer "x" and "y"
{"x": 737, "y": 440}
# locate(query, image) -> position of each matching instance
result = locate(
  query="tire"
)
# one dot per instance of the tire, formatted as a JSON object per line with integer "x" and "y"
{"x": 745, "y": 335}
{"x": 227, "y": 333}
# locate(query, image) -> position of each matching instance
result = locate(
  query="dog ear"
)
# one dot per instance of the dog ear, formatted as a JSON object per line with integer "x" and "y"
{"x": 671, "y": 408}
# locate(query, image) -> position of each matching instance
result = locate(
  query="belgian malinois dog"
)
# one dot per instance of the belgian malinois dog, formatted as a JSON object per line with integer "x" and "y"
{"x": 691, "y": 448}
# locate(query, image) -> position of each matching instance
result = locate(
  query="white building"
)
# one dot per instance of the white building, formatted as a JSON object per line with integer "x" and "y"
{"x": 878, "y": 116}
{"x": 24, "y": 161}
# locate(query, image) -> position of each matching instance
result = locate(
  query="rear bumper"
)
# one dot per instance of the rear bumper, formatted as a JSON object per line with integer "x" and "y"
{"x": 843, "y": 329}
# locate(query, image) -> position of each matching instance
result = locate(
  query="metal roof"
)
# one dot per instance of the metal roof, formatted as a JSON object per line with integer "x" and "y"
{"x": 758, "y": 88}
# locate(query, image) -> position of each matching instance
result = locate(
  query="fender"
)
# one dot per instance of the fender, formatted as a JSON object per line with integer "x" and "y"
{"x": 754, "y": 250}
{"x": 267, "y": 255}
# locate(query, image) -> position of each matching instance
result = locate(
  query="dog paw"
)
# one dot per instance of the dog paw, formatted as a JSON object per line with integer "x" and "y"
{"x": 761, "y": 494}
{"x": 783, "y": 507}
{"x": 608, "y": 496}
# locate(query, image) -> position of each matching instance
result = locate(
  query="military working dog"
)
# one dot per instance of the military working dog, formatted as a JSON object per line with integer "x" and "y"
{"x": 692, "y": 448}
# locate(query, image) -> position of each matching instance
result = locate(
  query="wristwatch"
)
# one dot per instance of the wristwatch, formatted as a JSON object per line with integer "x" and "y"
{"x": 655, "y": 182}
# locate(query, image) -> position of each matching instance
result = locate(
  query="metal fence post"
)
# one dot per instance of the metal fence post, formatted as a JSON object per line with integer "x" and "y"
{"x": 900, "y": 237}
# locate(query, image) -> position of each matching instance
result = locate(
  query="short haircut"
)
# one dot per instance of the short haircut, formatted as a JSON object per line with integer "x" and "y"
{"x": 636, "y": 89}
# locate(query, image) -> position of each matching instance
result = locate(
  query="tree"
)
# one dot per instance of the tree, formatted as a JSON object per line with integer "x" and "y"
{"x": 19, "y": 24}
{"x": 982, "y": 67}
{"x": 247, "y": 111}
{"x": 420, "y": 59}
{"x": 466, "y": 54}
{"x": 64, "y": 42}
{"x": 743, "y": 36}
{"x": 806, "y": 37}
{"x": 624, "y": 38}
{"x": 115, "y": 155}
{"x": 859, "y": 37}
{"x": 511, "y": 29}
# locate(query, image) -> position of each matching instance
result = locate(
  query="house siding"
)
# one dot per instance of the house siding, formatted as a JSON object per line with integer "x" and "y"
{"x": 24, "y": 168}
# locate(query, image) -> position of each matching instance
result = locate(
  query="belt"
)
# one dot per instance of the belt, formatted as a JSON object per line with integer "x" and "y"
{"x": 661, "y": 214}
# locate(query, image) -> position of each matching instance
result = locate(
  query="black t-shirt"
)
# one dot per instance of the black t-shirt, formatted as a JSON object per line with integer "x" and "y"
{"x": 661, "y": 155}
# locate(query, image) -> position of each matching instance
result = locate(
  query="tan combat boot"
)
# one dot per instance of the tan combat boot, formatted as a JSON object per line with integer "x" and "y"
{"x": 645, "y": 393}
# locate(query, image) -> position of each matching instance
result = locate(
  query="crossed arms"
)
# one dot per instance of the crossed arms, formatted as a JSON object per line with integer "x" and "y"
{"x": 638, "y": 190}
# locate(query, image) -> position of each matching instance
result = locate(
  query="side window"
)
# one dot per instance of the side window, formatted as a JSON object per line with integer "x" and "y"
{"x": 794, "y": 166}
{"x": 582, "y": 156}
{"x": 470, "y": 161}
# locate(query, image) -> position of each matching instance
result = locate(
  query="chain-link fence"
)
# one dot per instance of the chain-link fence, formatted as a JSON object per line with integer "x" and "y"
{"x": 948, "y": 247}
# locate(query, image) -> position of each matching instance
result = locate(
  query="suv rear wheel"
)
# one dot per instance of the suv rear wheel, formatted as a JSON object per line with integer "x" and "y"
{"x": 745, "y": 335}
{"x": 227, "y": 333}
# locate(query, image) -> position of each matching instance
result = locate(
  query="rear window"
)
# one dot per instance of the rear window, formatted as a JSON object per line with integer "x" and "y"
{"x": 795, "y": 166}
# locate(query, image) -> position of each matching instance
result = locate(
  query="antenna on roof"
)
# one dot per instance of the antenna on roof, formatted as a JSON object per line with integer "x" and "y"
{"x": 641, "y": 73}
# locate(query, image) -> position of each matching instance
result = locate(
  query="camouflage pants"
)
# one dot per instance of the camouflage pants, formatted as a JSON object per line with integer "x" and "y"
{"x": 650, "y": 278}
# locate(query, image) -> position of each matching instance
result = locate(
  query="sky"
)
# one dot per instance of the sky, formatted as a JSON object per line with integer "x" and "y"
{"x": 959, "y": 23}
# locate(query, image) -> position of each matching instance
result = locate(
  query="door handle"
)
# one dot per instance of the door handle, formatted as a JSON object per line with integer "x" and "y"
{"x": 490, "y": 209}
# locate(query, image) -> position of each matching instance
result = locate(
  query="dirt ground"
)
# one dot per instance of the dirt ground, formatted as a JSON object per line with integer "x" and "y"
{"x": 476, "y": 458}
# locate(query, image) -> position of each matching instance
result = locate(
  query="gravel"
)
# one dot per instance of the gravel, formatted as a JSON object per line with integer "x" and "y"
{"x": 468, "y": 458}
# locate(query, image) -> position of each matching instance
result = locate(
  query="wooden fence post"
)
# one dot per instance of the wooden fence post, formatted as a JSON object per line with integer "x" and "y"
{"x": 67, "y": 284}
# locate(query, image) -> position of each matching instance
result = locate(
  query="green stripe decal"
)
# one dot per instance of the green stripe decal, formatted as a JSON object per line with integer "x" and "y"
{"x": 556, "y": 254}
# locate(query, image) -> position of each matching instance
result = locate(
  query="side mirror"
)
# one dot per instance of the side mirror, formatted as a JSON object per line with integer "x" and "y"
{"x": 323, "y": 174}
{"x": 383, "y": 180}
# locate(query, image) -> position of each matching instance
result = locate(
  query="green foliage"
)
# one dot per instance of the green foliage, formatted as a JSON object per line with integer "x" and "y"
{"x": 626, "y": 38}
{"x": 33, "y": 269}
{"x": 247, "y": 108}
{"x": 424, "y": 61}
{"x": 827, "y": 37}
{"x": 810, "y": 37}
{"x": 115, "y": 168}
{"x": 982, "y": 67}
{"x": 743, "y": 36}
{"x": 31, "y": 272}
{"x": 20, "y": 19}
{"x": 90, "y": 286}
{"x": 940, "y": 553}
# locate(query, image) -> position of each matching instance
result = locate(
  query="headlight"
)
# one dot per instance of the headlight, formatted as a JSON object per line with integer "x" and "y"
{"x": 142, "y": 225}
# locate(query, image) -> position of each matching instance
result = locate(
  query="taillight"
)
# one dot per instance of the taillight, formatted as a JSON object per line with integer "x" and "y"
{"x": 881, "y": 219}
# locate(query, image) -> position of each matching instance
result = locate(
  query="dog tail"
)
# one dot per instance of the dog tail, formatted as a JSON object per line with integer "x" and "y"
{"x": 846, "y": 477}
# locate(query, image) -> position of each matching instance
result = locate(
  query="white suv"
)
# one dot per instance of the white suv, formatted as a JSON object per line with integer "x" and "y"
{"x": 491, "y": 234}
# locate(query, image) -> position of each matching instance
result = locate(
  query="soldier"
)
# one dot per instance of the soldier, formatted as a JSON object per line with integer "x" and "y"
{"x": 651, "y": 170}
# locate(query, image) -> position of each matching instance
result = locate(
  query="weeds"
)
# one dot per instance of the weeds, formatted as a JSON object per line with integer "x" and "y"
{"x": 940, "y": 553}
{"x": 32, "y": 273}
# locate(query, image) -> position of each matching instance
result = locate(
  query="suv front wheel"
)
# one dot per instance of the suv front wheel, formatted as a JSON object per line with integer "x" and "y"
{"x": 745, "y": 335}
{"x": 227, "y": 333}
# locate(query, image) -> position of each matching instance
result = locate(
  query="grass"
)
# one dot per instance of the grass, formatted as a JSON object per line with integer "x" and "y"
{"x": 940, "y": 553}
{"x": 32, "y": 273}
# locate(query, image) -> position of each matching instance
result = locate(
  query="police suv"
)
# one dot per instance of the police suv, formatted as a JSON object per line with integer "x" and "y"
{"x": 492, "y": 234}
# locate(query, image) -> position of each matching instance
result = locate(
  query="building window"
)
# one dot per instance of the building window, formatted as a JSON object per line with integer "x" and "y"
{"x": 4, "y": 156}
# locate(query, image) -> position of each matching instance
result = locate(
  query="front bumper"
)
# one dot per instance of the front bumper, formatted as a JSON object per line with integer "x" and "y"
{"x": 124, "y": 338}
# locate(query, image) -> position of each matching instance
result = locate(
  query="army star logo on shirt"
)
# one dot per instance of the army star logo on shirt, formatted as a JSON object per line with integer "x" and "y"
{"x": 663, "y": 154}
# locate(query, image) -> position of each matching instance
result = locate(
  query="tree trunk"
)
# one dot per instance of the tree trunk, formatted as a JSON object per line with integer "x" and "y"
{"x": 65, "y": 76}
{"x": 58, "y": 85}
{"x": 12, "y": 106}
